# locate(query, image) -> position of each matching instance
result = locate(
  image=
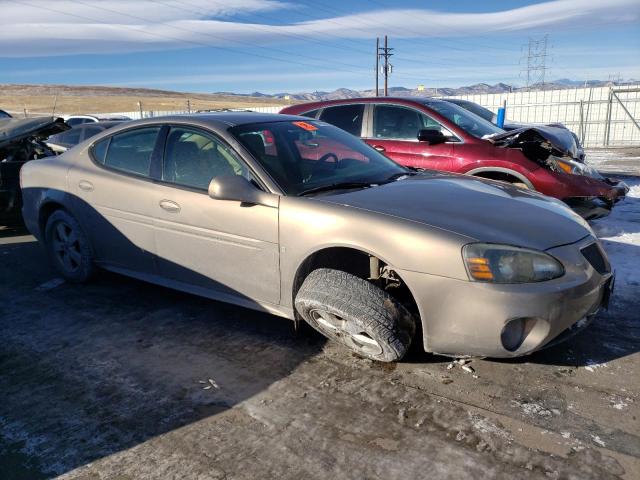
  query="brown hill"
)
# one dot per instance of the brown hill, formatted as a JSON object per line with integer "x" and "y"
{"x": 68, "y": 99}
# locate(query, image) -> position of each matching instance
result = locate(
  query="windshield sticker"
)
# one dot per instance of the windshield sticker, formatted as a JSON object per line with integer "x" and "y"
{"x": 306, "y": 126}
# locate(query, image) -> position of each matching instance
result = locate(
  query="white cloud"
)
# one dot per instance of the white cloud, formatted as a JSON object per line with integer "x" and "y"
{"x": 41, "y": 28}
{"x": 49, "y": 12}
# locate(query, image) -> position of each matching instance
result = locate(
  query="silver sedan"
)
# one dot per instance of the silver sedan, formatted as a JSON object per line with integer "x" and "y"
{"x": 297, "y": 218}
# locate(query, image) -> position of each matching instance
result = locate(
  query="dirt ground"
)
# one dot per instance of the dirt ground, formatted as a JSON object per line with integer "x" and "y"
{"x": 46, "y": 99}
{"x": 118, "y": 379}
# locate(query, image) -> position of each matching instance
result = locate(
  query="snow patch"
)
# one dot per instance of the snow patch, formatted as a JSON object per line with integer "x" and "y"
{"x": 592, "y": 365}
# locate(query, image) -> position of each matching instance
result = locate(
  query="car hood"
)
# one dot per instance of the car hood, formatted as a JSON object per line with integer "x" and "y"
{"x": 15, "y": 130}
{"x": 481, "y": 210}
{"x": 558, "y": 140}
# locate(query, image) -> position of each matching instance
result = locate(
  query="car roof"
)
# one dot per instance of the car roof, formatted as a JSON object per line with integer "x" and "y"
{"x": 326, "y": 103}
{"x": 219, "y": 120}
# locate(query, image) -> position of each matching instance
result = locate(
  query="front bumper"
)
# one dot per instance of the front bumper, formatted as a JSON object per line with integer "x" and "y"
{"x": 591, "y": 208}
{"x": 590, "y": 197}
{"x": 467, "y": 318}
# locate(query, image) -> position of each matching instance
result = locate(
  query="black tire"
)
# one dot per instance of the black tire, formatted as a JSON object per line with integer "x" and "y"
{"x": 68, "y": 247}
{"x": 356, "y": 313}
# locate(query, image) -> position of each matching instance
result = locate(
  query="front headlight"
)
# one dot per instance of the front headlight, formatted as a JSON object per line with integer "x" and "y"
{"x": 492, "y": 263}
{"x": 573, "y": 167}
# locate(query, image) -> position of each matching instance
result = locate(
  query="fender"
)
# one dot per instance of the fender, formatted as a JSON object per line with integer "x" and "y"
{"x": 508, "y": 171}
{"x": 36, "y": 200}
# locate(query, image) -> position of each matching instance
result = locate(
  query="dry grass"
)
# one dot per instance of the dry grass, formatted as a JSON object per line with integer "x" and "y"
{"x": 40, "y": 99}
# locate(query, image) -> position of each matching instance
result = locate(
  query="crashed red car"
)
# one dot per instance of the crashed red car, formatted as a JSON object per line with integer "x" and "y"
{"x": 434, "y": 134}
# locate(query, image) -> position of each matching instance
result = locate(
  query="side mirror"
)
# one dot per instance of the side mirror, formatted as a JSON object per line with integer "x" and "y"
{"x": 239, "y": 189}
{"x": 431, "y": 136}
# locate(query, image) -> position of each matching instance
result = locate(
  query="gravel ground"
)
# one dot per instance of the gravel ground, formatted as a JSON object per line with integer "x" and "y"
{"x": 121, "y": 379}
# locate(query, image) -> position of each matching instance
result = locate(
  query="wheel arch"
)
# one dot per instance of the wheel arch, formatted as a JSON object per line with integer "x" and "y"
{"x": 485, "y": 172}
{"x": 45, "y": 202}
{"x": 46, "y": 210}
{"x": 354, "y": 260}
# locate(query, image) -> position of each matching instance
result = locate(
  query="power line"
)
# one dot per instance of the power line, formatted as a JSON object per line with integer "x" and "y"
{"x": 454, "y": 30}
{"x": 249, "y": 44}
{"x": 419, "y": 35}
{"x": 184, "y": 41}
{"x": 263, "y": 27}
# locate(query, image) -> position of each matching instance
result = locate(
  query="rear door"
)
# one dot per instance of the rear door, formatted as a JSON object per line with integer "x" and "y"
{"x": 114, "y": 193}
{"x": 221, "y": 246}
{"x": 394, "y": 132}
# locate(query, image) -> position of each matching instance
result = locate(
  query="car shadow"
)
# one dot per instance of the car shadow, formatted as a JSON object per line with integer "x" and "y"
{"x": 14, "y": 230}
{"x": 90, "y": 370}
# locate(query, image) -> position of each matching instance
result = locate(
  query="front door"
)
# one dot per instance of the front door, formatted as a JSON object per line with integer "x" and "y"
{"x": 394, "y": 132}
{"x": 224, "y": 247}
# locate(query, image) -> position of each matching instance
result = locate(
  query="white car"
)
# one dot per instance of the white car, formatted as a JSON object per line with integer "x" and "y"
{"x": 74, "y": 120}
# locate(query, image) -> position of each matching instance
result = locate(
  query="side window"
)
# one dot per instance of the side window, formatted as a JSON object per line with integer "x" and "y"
{"x": 395, "y": 122}
{"x": 346, "y": 117}
{"x": 131, "y": 151}
{"x": 311, "y": 114}
{"x": 193, "y": 158}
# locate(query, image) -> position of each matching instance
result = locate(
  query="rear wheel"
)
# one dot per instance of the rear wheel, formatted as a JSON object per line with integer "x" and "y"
{"x": 68, "y": 247}
{"x": 356, "y": 313}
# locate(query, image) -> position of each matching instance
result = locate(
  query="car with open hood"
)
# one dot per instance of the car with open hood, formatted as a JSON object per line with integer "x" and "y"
{"x": 577, "y": 151}
{"x": 295, "y": 217}
{"x": 436, "y": 134}
{"x": 21, "y": 140}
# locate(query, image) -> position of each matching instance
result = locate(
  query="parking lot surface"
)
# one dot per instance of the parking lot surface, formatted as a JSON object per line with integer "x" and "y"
{"x": 122, "y": 379}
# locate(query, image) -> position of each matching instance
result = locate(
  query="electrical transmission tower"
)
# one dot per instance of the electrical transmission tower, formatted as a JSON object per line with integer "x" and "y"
{"x": 387, "y": 68}
{"x": 536, "y": 60}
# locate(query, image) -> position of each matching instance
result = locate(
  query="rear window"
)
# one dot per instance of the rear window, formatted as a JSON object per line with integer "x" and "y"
{"x": 71, "y": 137}
{"x": 72, "y": 122}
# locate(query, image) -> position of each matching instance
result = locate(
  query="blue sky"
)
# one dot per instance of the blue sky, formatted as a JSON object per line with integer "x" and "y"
{"x": 279, "y": 45}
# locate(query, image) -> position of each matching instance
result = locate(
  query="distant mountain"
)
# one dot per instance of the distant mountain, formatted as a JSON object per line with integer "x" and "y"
{"x": 477, "y": 88}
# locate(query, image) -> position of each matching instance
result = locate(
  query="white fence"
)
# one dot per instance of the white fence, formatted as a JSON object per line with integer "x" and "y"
{"x": 602, "y": 116}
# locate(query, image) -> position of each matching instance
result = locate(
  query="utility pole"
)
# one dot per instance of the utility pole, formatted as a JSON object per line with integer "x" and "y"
{"x": 387, "y": 68}
{"x": 537, "y": 60}
{"x": 377, "y": 64}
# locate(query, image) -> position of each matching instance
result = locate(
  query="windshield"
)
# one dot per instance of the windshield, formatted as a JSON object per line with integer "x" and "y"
{"x": 479, "y": 110}
{"x": 469, "y": 122}
{"x": 308, "y": 155}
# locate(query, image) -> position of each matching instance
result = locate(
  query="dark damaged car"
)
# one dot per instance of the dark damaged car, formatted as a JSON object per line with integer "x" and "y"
{"x": 508, "y": 125}
{"x": 435, "y": 134}
{"x": 21, "y": 140}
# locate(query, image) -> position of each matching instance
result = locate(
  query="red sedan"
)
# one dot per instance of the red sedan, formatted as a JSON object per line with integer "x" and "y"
{"x": 435, "y": 134}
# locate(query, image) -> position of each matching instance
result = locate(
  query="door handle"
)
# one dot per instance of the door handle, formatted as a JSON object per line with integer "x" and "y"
{"x": 379, "y": 148}
{"x": 169, "y": 206}
{"x": 85, "y": 185}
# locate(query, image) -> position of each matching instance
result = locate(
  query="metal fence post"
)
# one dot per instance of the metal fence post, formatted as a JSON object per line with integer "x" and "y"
{"x": 607, "y": 126}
